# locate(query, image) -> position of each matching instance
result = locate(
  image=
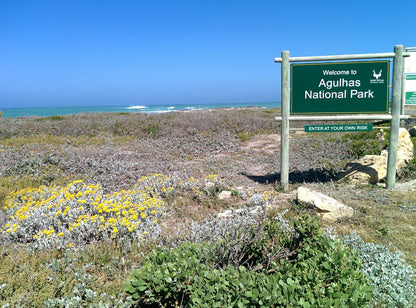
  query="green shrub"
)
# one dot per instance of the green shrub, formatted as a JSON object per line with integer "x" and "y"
{"x": 408, "y": 172}
{"x": 365, "y": 143}
{"x": 245, "y": 136}
{"x": 152, "y": 129}
{"x": 51, "y": 118}
{"x": 279, "y": 266}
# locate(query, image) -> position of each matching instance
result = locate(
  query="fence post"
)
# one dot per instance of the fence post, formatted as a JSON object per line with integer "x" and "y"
{"x": 396, "y": 103}
{"x": 284, "y": 144}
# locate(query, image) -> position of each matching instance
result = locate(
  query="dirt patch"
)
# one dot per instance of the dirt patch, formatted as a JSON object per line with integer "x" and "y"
{"x": 267, "y": 144}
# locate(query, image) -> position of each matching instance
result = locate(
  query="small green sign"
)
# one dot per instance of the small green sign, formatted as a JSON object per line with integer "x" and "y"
{"x": 410, "y": 89}
{"x": 341, "y": 87}
{"x": 338, "y": 128}
{"x": 411, "y": 98}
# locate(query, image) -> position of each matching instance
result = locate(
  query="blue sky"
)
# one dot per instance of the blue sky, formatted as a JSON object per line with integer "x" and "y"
{"x": 64, "y": 53}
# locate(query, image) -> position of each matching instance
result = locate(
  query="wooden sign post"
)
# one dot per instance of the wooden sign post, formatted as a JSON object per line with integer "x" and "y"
{"x": 360, "y": 87}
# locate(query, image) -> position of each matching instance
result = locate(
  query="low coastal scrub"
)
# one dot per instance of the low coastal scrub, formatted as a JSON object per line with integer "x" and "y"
{"x": 394, "y": 281}
{"x": 76, "y": 243}
{"x": 143, "y": 125}
{"x": 85, "y": 239}
{"x": 73, "y": 244}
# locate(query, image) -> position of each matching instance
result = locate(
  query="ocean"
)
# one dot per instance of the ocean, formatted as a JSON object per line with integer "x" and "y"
{"x": 51, "y": 111}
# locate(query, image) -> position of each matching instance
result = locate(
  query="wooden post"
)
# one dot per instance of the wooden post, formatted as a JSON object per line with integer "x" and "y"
{"x": 284, "y": 145}
{"x": 396, "y": 103}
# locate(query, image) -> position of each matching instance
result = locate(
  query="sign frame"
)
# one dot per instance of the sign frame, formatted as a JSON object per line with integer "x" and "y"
{"x": 394, "y": 116}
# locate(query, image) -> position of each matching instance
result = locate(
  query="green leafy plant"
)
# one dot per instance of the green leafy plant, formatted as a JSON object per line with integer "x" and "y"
{"x": 273, "y": 265}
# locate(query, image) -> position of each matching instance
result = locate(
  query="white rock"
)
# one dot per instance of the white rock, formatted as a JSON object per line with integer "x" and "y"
{"x": 225, "y": 214}
{"x": 329, "y": 208}
{"x": 404, "y": 148}
{"x": 255, "y": 210}
{"x": 225, "y": 194}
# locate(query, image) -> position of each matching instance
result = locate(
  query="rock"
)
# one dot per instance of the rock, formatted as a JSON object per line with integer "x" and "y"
{"x": 404, "y": 148}
{"x": 256, "y": 210}
{"x": 329, "y": 209}
{"x": 373, "y": 168}
{"x": 243, "y": 211}
{"x": 225, "y": 194}
{"x": 225, "y": 214}
{"x": 368, "y": 169}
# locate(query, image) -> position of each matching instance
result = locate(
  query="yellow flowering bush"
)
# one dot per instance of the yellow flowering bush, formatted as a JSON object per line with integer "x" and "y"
{"x": 264, "y": 199}
{"x": 81, "y": 213}
{"x": 61, "y": 216}
{"x": 158, "y": 184}
{"x": 206, "y": 188}
{"x": 165, "y": 186}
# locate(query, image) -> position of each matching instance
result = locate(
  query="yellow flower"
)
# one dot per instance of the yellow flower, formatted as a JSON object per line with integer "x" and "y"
{"x": 60, "y": 234}
{"x": 75, "y": 182}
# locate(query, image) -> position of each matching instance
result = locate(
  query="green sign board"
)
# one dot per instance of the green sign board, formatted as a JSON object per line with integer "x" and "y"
{"x": 338, "y": 128}
{"x": 340, "y": 87}
{"x": 410, "y": 92}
